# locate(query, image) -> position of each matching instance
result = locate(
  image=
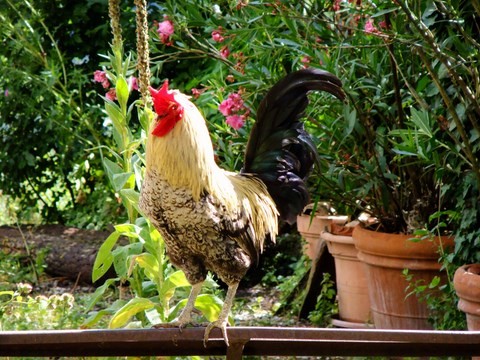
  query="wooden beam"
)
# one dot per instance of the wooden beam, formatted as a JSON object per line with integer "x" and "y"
{"x": 270, "y": 341}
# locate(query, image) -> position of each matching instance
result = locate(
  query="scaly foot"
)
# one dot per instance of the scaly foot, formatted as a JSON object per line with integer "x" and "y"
{"x": 221, "y": 322}
{"x": 184, "y": 318}
{"x": 222, "y": 325}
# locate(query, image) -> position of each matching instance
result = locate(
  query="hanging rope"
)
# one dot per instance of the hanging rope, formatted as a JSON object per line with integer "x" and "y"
{"x": 143, "y": 61}
{"x": 143, "y": 51}
{"x": 114, "y": 14}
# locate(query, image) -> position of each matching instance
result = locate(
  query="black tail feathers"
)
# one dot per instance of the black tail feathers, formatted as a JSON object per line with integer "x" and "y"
{"x": 279, "y": 151}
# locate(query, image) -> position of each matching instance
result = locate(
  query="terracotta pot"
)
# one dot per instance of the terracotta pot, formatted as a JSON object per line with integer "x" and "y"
{"x": 310, "y": 229}
{"x": 385, "y": 257}
{"x": 351, "y": 280}
{"x": 467, "y": 286}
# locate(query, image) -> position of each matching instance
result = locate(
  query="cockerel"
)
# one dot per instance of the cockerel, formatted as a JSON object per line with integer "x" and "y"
{"x": 216, "y": 220}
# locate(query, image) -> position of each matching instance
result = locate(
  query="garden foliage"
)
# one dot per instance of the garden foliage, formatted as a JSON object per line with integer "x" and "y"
{"x": 51, "y": 122}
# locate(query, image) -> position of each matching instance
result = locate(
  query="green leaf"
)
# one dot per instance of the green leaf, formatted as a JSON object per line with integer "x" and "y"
{"x": 421, "y": 119}
{"x": 129, "y": 230}
{"x": 434, "y": 283}
{"x": 209, "y": 305}
{"x": 287, "y": 42}
{"x": 111, "y": 169}
{"x": 177, "y": 279}
{"x": 145, "y": 117}
{"x": 131, "y": 196}
{"x": 121, "y": 89}
{"x": 95, "y": 318}
{"x": 93, "y": 299}
{"x": 173, "y": 281}
{"x": 153, "y": 316}
{"x": 154, "y": 242}
{"x": 121, "y": 256}
{"x": 150, "y": 265}
{"x": 115, "y": 114}
{"x": 7, "y": 292}
{"x": 118, "y": 178}
{"x": 381, "y": 13}
{"x": 123, "y": 180}
{"x": 129, "y": 310}
{"x": 104, "y": 258}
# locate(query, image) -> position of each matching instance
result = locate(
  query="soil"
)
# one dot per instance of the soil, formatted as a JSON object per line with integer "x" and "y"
{"x": 70, "y": 252}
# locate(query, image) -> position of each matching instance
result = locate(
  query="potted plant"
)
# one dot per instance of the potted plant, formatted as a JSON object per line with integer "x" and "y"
{"x": 413, "y": 117}
{"x": 351, "y": 278}
{"x": 315, "y": 219}
{"x": 467, "y": 286}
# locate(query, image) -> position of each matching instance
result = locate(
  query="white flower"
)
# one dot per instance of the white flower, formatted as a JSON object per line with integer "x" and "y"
{"x": 216, "y": 9}
{"x": 78, "y": 61}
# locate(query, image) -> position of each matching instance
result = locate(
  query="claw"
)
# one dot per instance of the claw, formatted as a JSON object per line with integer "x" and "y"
{"x": 221, "y": 322}
{"x": 222, "y": 325}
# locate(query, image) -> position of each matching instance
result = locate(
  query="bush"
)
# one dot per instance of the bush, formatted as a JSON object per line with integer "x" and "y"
{"x": 51, "y": 118}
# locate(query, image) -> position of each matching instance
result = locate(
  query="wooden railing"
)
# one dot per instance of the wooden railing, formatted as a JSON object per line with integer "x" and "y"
{"x": 243, "y": 341}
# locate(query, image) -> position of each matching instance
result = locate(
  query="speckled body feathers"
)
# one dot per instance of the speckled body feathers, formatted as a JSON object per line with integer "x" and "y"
{"x": 201, "y": 234}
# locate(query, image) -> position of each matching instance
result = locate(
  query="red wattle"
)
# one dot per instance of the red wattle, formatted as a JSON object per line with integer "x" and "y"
{"x": 164, "y": 126}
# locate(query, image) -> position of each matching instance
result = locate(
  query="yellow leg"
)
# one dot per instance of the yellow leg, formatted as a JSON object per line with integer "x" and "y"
{"x": 185, "y": 316}
{"x": 221, "y": 322}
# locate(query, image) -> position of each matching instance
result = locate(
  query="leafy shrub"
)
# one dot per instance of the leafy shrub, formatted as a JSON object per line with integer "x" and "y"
{"x": 327, "y": 305}
{"x": 50, "y": 122}
{"x": 20, "y": 311}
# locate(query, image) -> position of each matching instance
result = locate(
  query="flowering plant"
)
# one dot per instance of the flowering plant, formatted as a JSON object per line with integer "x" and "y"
{"x": 398, "y": 146}
{"x": 225, "y": 60}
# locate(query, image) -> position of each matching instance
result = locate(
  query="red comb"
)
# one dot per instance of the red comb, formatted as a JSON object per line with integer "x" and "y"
{"x": 162, "y": 98}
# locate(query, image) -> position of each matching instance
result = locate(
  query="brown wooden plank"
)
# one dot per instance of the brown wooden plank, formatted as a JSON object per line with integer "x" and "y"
{"x": 258, "y": 341}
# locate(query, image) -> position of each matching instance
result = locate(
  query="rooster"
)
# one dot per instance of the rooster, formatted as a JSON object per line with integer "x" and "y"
{"x": 216, "y": 220}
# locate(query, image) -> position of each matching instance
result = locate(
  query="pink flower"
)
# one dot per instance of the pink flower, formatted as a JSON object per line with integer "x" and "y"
{"x": 235, "y": 121}
{"x": 336, "y": 5}
{"x": 111, "y": 94}
{"x": 132, "y": 83}
{"x": 225, "y": 107}
{"x": 217, "y": 36}
{"x": 241, "y": 4}
{"x": 165, "y": 30}
{"x": 6, "y": 92}
{"x": 305, "y": 60}
{"x": 383, "y": 24}
{"x": 370, "y": 28}
{"x": 224, "y": 52}
{"x": 234, "y": 103}
{"x": 196, "y": 93}
{"x": 237, "y": 102}
{"x": 101, "y": 77}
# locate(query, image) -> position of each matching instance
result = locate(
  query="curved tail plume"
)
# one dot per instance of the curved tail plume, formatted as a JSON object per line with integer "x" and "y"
{"x": 279, "y": 151}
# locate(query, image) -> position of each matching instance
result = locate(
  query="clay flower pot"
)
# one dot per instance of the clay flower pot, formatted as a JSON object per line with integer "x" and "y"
{"x": 310, "y": 229}
{"x": 467, "y": 286}
{"x": 351, "y": 280}
{"x": 385, "y": 257}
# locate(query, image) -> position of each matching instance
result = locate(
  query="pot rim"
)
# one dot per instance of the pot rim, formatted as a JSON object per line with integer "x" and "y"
{"x": 398, "y": 245}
